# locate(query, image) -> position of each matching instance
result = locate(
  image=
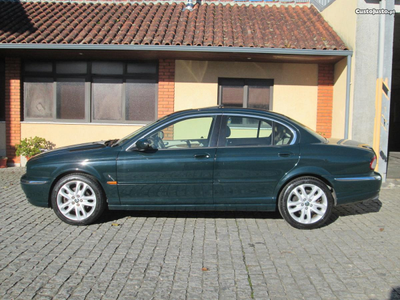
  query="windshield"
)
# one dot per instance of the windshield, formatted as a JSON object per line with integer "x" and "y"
{"x": 131, "y": 135}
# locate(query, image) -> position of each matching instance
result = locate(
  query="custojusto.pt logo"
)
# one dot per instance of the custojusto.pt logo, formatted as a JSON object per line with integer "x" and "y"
{"x": 375, "y": 11}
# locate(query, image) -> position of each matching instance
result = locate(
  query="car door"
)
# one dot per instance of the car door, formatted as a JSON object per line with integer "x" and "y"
{"x": 253, "y": 155}
{"x": 176, "y": 170}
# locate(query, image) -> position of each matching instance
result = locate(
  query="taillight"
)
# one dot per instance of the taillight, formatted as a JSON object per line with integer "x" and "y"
{"x": 372, "y": 164}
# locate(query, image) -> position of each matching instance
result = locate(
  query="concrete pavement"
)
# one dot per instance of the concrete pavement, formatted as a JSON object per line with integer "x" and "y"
{"x": 150, "y": 255}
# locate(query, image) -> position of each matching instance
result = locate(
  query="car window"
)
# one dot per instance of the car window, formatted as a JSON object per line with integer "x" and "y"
{"x": 188, "y": 133}
{"x": 246, "y": 131}
{"x": 282, "y": 135}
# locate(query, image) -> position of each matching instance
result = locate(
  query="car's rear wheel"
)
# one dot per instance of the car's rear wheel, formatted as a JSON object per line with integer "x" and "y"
{"x": 78, "y": 199}
{"x": 305, "y": 203}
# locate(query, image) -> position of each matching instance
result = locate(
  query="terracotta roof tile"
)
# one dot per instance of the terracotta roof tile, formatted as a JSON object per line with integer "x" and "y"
{"x": 223, "y": 25}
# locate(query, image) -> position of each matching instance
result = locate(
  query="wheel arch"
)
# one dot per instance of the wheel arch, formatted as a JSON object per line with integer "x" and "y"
{"x": 287, "y": 179}
{"x": 69, "y": 172}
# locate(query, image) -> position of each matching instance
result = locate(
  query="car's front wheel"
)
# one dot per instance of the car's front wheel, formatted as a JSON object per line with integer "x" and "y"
{"x": 305, "y": 203}
{"x": 78, "y": 199}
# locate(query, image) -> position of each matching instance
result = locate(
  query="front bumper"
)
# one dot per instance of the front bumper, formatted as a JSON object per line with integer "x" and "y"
{"x": 36, "y": 190}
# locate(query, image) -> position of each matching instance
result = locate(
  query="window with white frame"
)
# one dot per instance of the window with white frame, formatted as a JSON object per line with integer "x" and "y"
{"x": 95, "y": 91}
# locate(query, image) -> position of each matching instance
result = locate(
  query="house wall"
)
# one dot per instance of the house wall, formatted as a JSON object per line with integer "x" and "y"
{"x": 360, "y": 32}
{"x": 166, "y": 86}
{"x": 2, "y": 138}
{"x": 68, "y": 134}
{"x": 365, "y": 71}
{"x": 194, "y": 84}
{"x": 13, "y": 107}
{"x": 343, "y": 19}
{"x": 295, "y": 87}
{"x": 325, "y": 99}
{"x": 64, "y": 134}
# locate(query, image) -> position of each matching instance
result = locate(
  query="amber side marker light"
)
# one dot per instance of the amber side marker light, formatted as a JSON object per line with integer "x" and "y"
{"x": 112, "y": 182}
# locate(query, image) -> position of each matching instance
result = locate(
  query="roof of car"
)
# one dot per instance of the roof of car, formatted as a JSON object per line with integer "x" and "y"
{"x": 238, "y": 110}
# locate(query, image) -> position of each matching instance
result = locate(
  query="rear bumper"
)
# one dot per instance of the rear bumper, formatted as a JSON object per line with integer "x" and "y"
{"x": 357, "y": 188}
{"x": 375, "y": 177}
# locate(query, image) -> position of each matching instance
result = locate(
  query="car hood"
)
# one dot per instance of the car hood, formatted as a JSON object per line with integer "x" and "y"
{"x": 73, "y": 148}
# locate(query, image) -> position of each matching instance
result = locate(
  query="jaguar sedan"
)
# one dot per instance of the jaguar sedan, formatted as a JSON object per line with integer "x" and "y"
{"x": 207, "y": 159}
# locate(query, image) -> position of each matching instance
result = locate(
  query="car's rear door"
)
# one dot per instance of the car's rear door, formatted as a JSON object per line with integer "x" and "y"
{"x": 253, "y": 154}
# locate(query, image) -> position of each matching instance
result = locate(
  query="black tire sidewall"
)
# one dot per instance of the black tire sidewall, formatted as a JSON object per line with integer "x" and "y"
{"x": 100, "y": 198}
{"x": 284, "y": 195}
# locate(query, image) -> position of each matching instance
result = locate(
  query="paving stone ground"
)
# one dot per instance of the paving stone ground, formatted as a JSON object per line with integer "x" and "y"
{"x": 149, "y": 255}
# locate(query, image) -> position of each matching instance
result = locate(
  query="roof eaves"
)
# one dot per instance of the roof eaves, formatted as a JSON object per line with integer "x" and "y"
{"x": 169, "y": 48}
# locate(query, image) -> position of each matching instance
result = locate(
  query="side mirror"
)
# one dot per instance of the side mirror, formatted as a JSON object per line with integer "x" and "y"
{"x": 143, "y": 145}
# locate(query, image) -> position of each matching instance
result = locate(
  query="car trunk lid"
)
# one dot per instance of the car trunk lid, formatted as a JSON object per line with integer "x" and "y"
{"x": 350, "y": 143}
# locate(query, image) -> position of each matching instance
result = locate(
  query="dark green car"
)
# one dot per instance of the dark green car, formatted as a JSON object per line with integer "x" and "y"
{"x": 207, "y": 159}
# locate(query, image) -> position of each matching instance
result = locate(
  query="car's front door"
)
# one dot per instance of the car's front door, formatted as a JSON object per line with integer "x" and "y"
{"x": 253, "y": 155}
{"x": 177, "y": 170}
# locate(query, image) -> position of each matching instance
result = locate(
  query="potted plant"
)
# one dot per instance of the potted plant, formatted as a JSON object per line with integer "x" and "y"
{"x": 3, "y": 161}
{"x": 31, "y": 146}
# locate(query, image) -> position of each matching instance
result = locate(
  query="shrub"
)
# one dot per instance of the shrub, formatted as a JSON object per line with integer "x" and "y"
{"x": 31, "y": 146}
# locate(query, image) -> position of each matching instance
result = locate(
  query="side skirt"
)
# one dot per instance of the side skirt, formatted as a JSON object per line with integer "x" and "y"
{"x": 227, "y": 207}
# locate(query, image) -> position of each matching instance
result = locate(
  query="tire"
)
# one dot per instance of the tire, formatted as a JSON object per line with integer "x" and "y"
{"x": 78, "y": 199}
{"x": 305, "y": 203}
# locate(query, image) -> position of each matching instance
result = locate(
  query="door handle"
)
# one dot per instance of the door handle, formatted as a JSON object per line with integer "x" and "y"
{"x": 285, "y": 154}
{"x": 202, "y": 155}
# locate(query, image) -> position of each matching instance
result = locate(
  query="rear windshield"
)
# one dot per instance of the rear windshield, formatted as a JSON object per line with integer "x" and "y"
{"x": 310, "y": 131}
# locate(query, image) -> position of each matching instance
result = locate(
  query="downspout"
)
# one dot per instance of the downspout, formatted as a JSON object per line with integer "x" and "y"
{"x": 348, "y": 86}
{"x": 381, "y": 40}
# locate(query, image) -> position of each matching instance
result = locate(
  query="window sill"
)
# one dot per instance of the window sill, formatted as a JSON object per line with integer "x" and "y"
{"x": 82, "y": 123}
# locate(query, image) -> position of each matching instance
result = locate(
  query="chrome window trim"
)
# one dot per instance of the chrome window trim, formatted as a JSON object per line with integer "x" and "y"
{"x": 218, "y": 114}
